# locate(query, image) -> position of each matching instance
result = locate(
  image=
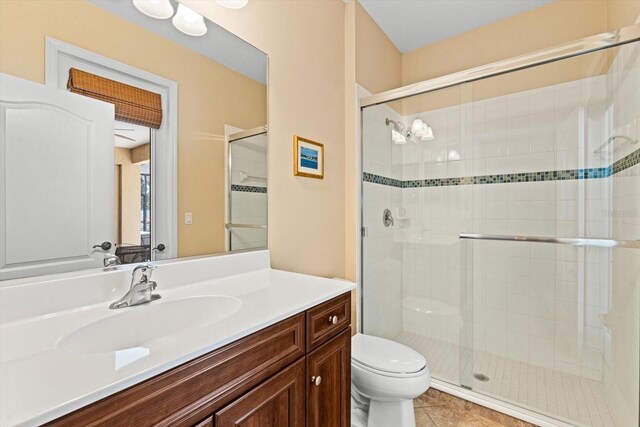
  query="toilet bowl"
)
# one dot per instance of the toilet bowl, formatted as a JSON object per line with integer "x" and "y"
{"x": 386, "y": 377}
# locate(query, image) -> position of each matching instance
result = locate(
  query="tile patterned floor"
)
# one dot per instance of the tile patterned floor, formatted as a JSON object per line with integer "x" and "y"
{"x": 564, "y": 396}
{"x": 438, "y": 409}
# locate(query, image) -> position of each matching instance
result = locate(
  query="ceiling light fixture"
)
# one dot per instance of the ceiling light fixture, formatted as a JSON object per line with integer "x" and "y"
{"x": 401, "y": 133}
{"x": 189, "y": 21}
{"x": 233, "y": 4}
{"x": 159, "y": 9}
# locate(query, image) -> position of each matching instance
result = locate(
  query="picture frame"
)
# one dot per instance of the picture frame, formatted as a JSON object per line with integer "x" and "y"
{"x": 308, "y": 158}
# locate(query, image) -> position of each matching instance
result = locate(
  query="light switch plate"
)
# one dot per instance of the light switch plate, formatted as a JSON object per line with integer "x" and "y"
{"x": 188, "y": 218}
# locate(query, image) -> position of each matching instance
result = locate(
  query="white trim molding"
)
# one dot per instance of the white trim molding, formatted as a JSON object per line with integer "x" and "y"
{"x": 59, "y": 55}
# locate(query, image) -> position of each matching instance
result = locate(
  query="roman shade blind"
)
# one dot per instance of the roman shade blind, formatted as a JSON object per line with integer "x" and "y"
{"x": 132, "y": 104}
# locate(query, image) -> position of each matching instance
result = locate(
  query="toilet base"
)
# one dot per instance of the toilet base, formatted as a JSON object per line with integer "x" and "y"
{"x": 385, "y": 414}
{"x": 373, "y": 413}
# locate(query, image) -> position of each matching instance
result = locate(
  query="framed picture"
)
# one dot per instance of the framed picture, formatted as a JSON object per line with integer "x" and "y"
{"x": 308, "y": 158}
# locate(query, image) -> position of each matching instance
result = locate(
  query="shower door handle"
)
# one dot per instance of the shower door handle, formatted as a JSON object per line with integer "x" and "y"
{"x": 572, "y": 241}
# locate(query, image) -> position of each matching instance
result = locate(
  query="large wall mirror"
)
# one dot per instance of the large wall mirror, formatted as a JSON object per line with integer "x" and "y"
{"x": 126, "y": 138}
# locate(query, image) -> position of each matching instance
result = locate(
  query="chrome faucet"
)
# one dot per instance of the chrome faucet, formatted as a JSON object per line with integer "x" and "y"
{"x": 140, "y": 292}
{"x": 111, "y": 262}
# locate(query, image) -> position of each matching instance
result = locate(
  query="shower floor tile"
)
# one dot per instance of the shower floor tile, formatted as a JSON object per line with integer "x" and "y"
{"x": 554, "y": 393}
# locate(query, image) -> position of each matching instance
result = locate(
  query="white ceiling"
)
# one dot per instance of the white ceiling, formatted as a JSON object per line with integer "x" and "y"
{"x": 218, "y": 44}
{"x": 130, "y": 136}
{"x": 411, "y": 24}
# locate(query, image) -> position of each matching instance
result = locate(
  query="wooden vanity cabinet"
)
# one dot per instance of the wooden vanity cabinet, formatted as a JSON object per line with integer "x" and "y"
{"x": 278, "y": 402}
{"x": 329, "y": 399}
{"x": 262, "y": 380}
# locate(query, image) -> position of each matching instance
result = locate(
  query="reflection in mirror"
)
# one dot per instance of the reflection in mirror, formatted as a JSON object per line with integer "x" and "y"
{"x": 133, "y": 192}
{"x": 248, "y": 196}
{"x": 130, "y": 137}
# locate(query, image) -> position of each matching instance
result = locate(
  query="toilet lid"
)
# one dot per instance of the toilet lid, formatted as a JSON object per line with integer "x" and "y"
{"x": 385, "y": 355}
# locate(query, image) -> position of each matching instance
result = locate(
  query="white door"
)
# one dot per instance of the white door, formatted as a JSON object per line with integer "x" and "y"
{"x": 56, "y": 179}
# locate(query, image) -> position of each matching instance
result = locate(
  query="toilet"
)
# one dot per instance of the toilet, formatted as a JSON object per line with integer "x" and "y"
{"x": 386, "y": 377}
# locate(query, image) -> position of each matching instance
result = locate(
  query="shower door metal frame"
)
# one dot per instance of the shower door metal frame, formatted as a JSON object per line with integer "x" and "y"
{"x": 563, "y": 51}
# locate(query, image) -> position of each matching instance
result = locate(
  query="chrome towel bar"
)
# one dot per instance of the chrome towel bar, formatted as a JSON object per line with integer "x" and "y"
{"x": 573, "y": 241}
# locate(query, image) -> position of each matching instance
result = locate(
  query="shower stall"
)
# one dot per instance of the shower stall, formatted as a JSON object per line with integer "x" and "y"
{"x": 510, "y": 252}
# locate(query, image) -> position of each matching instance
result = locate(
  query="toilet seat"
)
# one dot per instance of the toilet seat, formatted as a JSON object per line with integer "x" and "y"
{"x": 356, "y": 364}
{"x": 386, "y": 357}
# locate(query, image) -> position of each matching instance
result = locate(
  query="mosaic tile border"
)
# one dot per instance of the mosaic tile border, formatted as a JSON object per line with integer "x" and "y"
{"x": 248, "y": 188}
{"x": 626, "y": 162}
{"x": 560, "y": 175}
{"x": 378, "y": 179}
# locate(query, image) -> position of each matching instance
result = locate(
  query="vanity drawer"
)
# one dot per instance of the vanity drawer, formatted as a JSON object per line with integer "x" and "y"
{"x": 206, "y": 423}
{"x": 192, "y": 392}
{"x": 326, "y": 320}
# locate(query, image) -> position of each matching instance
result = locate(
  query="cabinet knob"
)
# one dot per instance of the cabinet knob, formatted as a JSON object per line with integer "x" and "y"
{"x": 333, "y": 320}
{"x": 316, "y": 380}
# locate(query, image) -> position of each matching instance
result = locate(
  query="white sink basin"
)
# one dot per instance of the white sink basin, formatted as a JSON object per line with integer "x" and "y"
{"x": 134, "y": 326}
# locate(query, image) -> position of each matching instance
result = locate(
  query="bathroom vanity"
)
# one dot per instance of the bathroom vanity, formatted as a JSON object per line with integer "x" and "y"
{"x": 276, "y": 353}
{"x": 295, "y": 370}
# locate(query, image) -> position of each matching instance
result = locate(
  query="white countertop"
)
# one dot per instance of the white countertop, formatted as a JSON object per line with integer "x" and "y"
{"x": 40, "y": 382}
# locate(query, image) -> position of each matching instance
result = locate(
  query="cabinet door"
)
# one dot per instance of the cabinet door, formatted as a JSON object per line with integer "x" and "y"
{"x": 329, "y": 383}
{"x": 278, "y": 402}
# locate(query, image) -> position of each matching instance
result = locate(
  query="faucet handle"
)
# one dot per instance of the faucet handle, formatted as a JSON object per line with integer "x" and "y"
{"x": 143, "y": 269}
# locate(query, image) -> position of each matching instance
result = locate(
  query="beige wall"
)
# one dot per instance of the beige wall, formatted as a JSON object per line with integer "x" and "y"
{"x": 141, "y": 153}
{"x": 127, "y": 197}
{"x": 210, "y": 96}
{"x": 555, "y": 23}
{"x": 378, "y": 61}
{"x": 305, "y": 41}
{"x": 621, "y": 13}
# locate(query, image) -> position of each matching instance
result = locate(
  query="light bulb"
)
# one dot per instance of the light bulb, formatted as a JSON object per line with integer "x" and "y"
{"x": 159, "y": 9}
{"x": 397, "y": 137}
{"x": 189, "y": 21}
{"x": 428, "y": 135}
{"x": 418, "y": 127}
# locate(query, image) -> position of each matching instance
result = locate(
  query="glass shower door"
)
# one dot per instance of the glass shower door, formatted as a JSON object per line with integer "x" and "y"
{"x": 555, "y": 324}
{"x": 411, "y": 264}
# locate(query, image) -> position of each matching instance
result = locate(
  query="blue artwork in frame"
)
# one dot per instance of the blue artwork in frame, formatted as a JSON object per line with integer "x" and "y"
{"x": 308, "y": 158}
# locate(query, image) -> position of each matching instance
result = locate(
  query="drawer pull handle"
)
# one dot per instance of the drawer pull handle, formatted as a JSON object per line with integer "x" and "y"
{"x": 333, "y": 320}
{"x": 316, "y": 380}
